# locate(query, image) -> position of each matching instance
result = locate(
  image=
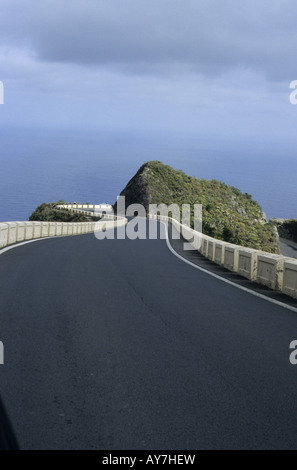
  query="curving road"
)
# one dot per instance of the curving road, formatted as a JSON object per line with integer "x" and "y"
{"x": 118, "y": 344}
{"x": 288, "y": 248}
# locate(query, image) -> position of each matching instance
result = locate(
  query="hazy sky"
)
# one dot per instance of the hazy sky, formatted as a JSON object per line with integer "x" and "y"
{"x": 209, "y": 68}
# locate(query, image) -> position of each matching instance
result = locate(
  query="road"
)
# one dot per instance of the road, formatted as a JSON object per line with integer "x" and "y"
{"x": 118, "y": 344}
{"x": 288, "y": 248}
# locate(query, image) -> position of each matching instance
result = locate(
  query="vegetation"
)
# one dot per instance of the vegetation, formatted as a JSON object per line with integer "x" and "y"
{"x": 51, "y": 213}
{"x": 287, "y": 228}
{"x": 228, "y": 214}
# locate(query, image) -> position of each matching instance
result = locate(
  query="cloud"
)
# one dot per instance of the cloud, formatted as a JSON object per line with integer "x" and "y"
{"x": 205, "y": 37}
{"x": 206, "y": 68}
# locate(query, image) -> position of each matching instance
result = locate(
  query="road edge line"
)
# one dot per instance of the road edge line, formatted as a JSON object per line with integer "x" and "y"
{"x": 227, "y": 281}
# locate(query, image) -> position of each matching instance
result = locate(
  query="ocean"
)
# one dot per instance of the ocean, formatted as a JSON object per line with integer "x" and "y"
{"x": 39, "y": 166}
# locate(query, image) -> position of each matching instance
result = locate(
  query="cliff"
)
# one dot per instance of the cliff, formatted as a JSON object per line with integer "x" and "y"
{"x": 228, "y": 214}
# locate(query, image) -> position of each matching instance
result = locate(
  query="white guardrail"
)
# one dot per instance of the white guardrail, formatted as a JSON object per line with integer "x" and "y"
{"x": 16, "y": 232}
{"x": 274, "y": 271}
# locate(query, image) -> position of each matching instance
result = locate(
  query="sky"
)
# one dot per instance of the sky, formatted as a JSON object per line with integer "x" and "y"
{"x": 209, "y": 71}
{"x": 204, "y": 67}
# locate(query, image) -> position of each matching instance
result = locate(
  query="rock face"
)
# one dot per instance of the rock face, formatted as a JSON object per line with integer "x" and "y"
{"x": 228, "y": 214}
{"x": 138, "y": 190}
{"x": 287, "y": 228}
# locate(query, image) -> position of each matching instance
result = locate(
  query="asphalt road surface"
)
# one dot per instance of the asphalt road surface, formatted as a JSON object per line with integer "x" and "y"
{"x": 288, "y": 248}
{"x": 118, "y": 344}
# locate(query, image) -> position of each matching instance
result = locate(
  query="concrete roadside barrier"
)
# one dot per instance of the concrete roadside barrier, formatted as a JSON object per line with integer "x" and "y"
{"x": 52, "y": 229}
{"x": 64, "y": 228}
{"x": 44, "y": 229}
{"x": 69, "y": 228}
{"x": 29, "y": 230}
{"x": 37, "y": 230}
{"x": 204, "y": 246}
{"x": 3, "y": 235}
{"x": 12, "y": 233}
{"x": 289, "y": 286}
{"x": 231, "y": 257}
{"x": 21, "y": 231}
{"x": 75, "y": 228}
{"x": 197, "y": 241}
{"x": 247, "y": 263}
{"x": 58, "y": 229}
{"x": 219, "y": 252}
{"x": 270, "y": 270}
{"x": 211, "y": 249}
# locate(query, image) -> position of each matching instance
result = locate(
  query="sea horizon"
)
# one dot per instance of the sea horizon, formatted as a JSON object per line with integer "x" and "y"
{"x": 95, "y": 168}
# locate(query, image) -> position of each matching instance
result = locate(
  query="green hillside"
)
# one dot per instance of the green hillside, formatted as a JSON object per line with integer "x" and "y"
{"x": 228, "y": 214}
{"x": 50, "y": 213}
